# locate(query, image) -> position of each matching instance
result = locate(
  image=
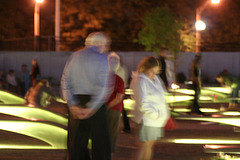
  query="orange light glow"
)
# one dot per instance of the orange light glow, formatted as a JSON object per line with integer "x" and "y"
{"x": 215, "y": 1}
{"x": 33, "y": 119}
{"x": 210, "y": 146}
{"x": 30, "y": 105}
{"x": 39, "y": 1}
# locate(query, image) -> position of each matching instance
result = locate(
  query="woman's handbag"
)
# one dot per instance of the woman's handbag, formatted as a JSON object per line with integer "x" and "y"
{"x": 171, "y": 124}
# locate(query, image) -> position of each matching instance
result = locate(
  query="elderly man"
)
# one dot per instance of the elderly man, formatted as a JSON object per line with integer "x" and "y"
{"x": 84, "y": 86}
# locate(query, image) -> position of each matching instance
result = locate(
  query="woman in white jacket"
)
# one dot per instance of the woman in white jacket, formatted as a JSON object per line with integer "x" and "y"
{"x": 151, "y": 111}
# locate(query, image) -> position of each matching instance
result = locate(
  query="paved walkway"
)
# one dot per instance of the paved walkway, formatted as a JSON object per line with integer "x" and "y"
{"x": 128, "y": 145}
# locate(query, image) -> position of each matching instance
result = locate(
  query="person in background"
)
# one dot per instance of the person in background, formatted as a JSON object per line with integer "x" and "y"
{"x": 25, "y": 79}
{"x": 122, "y": 72}
{"x": 12, "y": 82}
{"x": 35, "y": 73}
{"x": 151, "y": 111}
{"x": 196, "y": 84}
{"x": 40, "y": 95}
{"x": 2, "y": 80}
{"x": 115, "y": 101}
{"x": 85, "y": 86}
{"x": 233, "y": 83}
{"x": 162, "y": 60}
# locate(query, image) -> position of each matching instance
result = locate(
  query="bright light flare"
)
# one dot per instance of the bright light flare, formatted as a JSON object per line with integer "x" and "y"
{"x": 219, "y": 89}
{"x": 128, "y": 104}
{"x": 175, "y": 86}
{"x": 54, "y": 136}
{"x": 39, "y": 1}
{"x": 215, "y": 1}
{"x": 129, "y": 91}
{"x": 185, "y": 91}
{"x": 200, "y": 25}
{"x": 210, "y": 146}
{"x": 34, "y": 114}
{"x": 30, "y": 105}
{"x": 232, "y": 121}
{"x": 231, "y": 113}
{"x": 204, "y": 141}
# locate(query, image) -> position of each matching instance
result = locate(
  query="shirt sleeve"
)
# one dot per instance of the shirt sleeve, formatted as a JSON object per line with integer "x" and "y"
{"x": 66, "y": 83}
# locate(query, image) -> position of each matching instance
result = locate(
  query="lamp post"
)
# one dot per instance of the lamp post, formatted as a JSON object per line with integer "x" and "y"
{"x": 200, "y": 25}
{"x": 57, "y": 25}
{"x": 37, "y": 24}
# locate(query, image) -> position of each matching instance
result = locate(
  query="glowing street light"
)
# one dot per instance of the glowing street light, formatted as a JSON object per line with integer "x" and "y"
{"x": 37, "y": 23}
{"x": 200, "y": 25}
{"x": 57, "y": 25}
{"x": 215, "y": 1}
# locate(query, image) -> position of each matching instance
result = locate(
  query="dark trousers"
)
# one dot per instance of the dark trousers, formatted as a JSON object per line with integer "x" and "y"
{"x": 196, "y": 105}
{"x": 126, "y": 125}
{"x": 96, "y": 128}
{"x": 114, "y": 117}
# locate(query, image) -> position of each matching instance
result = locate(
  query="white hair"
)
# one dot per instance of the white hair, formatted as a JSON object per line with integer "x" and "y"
{"x": 114, "y": 65}
{"x": 114, "y": 54}
{"x": 97, "y": 38}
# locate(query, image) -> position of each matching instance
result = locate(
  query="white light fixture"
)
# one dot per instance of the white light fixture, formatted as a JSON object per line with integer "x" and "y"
{"x": 39, "y": 1}
{"x": 200, "y": 25}
{"x": 215, "y": 1}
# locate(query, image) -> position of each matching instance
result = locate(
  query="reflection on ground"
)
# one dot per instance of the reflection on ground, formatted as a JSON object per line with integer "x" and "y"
{"x": 51, "y": 127}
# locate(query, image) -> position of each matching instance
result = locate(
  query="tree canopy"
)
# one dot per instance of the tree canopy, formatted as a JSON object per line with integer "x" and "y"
{"x": 161, "y": 30}
{"x": 122, "y": 20}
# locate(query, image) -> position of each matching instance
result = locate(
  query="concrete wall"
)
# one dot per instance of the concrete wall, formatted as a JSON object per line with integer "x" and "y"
{"x": 212, "y": 63}
{"x": 52, "y": 63}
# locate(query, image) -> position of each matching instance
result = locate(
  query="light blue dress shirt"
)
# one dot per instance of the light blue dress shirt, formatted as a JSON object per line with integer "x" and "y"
{"x": 86, "y": 73}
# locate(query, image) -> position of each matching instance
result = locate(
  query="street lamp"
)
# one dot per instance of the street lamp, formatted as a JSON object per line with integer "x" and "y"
{"x": 200, "y": 25}
{"x": 215, "y": 1}
{"x": 57, "y": 25}
{"x": 37, "y": 24}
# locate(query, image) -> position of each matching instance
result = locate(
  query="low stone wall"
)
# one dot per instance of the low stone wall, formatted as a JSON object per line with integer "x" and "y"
{"x": 52, "y": 63}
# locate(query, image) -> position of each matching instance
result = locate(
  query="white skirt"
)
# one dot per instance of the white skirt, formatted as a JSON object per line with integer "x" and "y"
{"x": 148, "y": 133}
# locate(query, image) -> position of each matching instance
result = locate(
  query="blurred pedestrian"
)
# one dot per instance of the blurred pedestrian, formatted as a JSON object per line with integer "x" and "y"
{"x": 41, "y": 94}
{"x": 115, "y": 101}
{"x": 35, "y": 73}
{"x": 123, "y": 73}
{"x": 162, "y": 61}
{"x": 233, "y": 83}
{"x": 196, "y": 84}
{"x": 25, "y": 79}
{"x": 151, "y": 111}
{"x": 2, "y": 80}
{"x": 12, "y": 83}
{"x": 84, "y": 86}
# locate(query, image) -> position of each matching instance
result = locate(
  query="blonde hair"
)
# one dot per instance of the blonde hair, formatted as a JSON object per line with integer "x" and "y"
{"x": 147, "y": 63}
